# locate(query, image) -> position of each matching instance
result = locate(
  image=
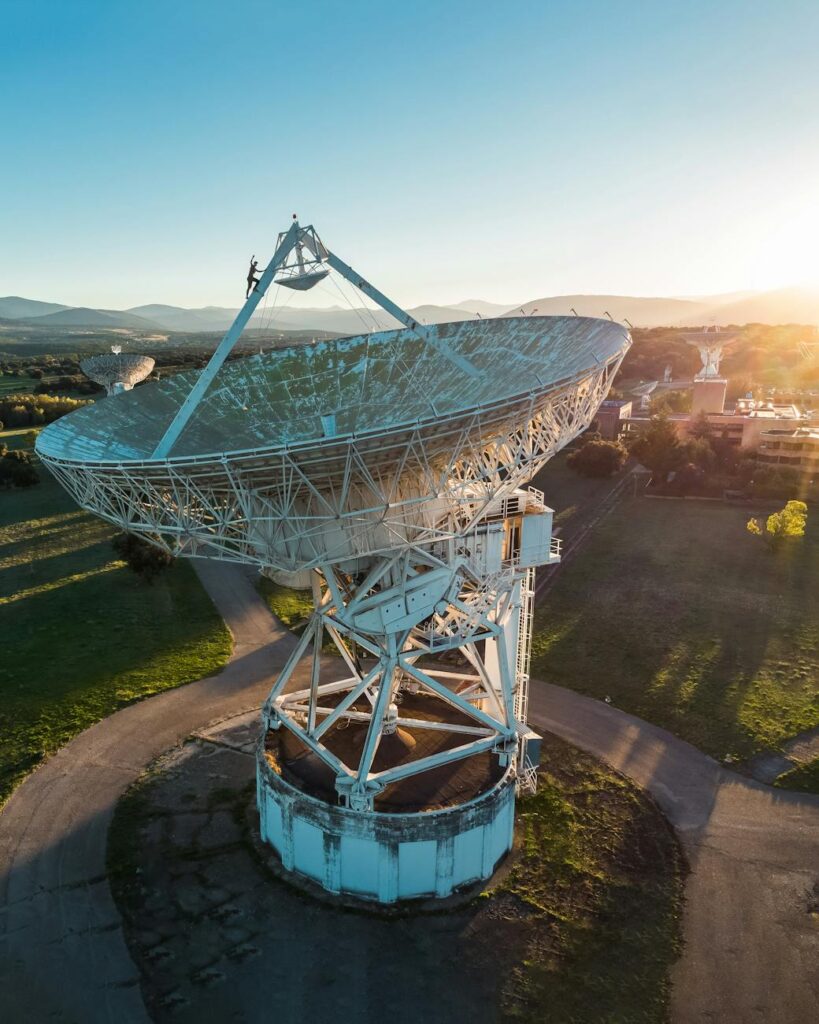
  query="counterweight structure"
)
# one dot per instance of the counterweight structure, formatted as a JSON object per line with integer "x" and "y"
{"x": 117, "y": 372}
{"x": 392, "y": 468}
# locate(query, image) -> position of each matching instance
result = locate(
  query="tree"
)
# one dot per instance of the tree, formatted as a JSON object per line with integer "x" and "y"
{"x": 671, "y": 401}
{"x": 700, "y": 427}
{"x": 700, "y": 452}
{"x": 598, "y": 458}
{"x": 789, "y": 522}
{"x": 659, "y": 448}
{"x": 17, "y": 469}
{"x": 145, "y": 559}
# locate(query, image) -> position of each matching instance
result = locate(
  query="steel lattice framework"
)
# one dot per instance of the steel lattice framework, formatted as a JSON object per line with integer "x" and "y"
{"x": 389, "y": 465}
{"x": 316, "y": 504}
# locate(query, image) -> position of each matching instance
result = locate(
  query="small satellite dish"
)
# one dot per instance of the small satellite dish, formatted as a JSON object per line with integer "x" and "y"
{"x": 302, "y": 282}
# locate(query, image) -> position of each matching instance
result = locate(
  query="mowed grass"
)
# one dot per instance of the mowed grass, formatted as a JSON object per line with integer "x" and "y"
{"x": 292, "y": 607}
{"x": 596, "y": 889}
{"x": 683, "y": 618}
{"x": 23, "y": 437}
{"x": 573, "y": 497}
{"x": 80, "y": 634}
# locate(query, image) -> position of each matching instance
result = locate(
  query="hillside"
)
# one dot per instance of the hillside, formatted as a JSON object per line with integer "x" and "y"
{"x": 84, "y": 317}
{"x": 14, "y": 307}
{"x": 641, "y": 311}
{"x": 784, "y": 306}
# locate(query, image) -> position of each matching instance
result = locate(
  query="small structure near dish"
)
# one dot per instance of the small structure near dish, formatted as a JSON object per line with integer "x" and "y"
{"x": 117, "y": 372}
{"x": 392, "y": 468}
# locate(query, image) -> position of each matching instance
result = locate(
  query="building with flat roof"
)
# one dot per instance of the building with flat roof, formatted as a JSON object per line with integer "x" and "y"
{"x": 742, "y": 426}
{"x": 612, "y": 417}
{"x": 797, "y": 448}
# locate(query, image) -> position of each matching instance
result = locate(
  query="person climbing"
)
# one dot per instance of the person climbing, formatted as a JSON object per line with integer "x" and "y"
{"x": 252, "y": 280}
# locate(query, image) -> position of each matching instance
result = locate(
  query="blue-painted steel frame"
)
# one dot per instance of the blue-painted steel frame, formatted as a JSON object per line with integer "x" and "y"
{"x": 356, "y": 279}
{"x": 203, "y": 382}
{"x": 293, "y": 237}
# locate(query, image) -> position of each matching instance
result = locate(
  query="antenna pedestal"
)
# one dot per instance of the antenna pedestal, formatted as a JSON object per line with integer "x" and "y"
{"x": 421, "y": 711}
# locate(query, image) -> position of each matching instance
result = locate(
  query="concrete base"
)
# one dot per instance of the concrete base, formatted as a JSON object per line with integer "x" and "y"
{"x": 385, "y": 857}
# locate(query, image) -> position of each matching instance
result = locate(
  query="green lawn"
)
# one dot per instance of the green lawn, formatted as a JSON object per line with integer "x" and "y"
{"x": 16, "y": 385}
{"x": 81, "y": 636}
{"x": 23, "y": 437}
{"x": 805, "y": 778}
{"x": 293, "y": 607}
{"x": 597, "y": 887}
{"x": 681, "y": 617}
{"x": 573, "y": 497}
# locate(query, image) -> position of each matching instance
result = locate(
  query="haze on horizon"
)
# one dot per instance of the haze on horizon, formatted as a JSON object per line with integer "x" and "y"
{"x": 449, "y": 151}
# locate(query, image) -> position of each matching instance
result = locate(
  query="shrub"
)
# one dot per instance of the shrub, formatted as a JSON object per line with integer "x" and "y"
{"x": 598, "y": 458}
{"x": 142, "y": 557}
{"x": 17, "y": 469}
{"x": 790, "y": 522}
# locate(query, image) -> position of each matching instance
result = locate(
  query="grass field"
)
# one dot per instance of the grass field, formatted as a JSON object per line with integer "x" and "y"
{"x": 681, "y": 617}
{"x": 572, "y": 496}
{"x": 20, "y": 438}
{"x": 81, "y": 636}
{"x": 16, "y": 385}
{"x": 293, "y": 607}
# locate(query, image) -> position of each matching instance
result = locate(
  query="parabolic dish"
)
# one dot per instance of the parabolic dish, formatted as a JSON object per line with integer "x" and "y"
{"x": 366, "y": 428}
{"x": 115, "y": 367}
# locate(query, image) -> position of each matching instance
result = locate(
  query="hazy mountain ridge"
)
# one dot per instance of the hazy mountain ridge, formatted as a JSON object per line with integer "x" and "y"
{"x": 786, "y": 305}
{"x": 82, "y": 316}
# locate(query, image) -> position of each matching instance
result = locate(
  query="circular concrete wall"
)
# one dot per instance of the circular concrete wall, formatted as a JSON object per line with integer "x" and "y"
{"x": 385, "y": 857}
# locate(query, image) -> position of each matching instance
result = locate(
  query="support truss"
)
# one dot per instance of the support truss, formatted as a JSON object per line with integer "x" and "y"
{"x": 387, "y": 625}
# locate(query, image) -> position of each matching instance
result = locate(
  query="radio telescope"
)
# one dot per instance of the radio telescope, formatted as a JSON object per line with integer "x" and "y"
{"x": 117, "y": 372}
{"x": 392, "y": 466}
{"x": 711, "y": 344}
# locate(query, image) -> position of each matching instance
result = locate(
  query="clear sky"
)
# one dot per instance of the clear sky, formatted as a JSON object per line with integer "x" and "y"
{"x": 449, "y": 150}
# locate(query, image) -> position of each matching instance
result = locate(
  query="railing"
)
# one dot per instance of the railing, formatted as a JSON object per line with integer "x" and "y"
{"x": 527, "y": 777}
{"x": 524, "y": 651}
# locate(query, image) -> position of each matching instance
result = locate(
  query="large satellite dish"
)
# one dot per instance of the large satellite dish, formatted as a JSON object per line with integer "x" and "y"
{"x": 391, "y": 465}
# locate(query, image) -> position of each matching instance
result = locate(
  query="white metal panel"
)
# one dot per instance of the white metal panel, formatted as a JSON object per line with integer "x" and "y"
{"x": 535, "y": 539}
{"x": 416, "y": 868}
{"x": 468, "y": 856}
{"x": 359, "y": 865}
{"x": 308, "y": 849}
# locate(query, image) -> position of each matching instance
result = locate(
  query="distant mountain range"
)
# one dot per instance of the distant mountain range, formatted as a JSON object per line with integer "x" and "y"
{"x": 787, "y": 305}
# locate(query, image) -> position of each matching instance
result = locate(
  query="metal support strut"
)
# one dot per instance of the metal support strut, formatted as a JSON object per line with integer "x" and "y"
{"x": 295, "y": 237}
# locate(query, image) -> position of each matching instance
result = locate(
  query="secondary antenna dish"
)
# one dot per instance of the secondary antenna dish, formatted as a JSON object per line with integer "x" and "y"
{"x": 117, "y": 372}
{"x": 390, "y": 466}
{"x": 712, "y": 343}
{"x": 299, "y": 272}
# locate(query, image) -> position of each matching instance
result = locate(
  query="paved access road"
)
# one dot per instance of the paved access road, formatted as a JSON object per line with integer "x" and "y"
{"x": 751, "y": 922}
{"x": 751, "y": 938}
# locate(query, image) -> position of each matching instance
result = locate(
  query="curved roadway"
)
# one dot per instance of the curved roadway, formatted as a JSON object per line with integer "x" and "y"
{"x": 751, "y": 921}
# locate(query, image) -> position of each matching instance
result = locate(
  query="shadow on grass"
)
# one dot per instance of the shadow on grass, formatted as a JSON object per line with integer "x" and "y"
{"x": 680, "y": 618}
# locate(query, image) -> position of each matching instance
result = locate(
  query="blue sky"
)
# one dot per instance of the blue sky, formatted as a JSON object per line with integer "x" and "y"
{"x": 448, "y": 150}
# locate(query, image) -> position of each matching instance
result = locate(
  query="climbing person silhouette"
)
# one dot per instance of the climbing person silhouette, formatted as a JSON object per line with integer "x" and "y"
{"x": 252, "y": 280}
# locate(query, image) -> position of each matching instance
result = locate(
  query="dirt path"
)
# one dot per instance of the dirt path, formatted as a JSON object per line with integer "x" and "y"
{"x": 751, "y": 924}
